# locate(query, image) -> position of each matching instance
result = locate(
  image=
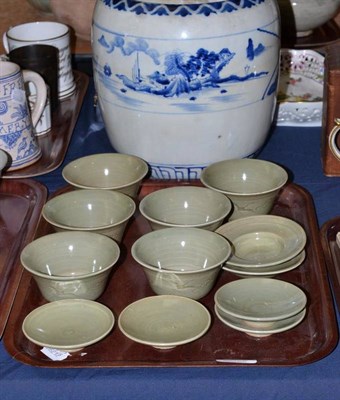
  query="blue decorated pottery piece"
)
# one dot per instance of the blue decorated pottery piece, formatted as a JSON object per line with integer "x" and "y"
{"x": 186, "y": 84}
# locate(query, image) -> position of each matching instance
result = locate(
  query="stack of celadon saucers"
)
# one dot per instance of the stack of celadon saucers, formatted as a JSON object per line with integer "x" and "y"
{"x": 264, "y": 245}
{"x": 260, "y": 306}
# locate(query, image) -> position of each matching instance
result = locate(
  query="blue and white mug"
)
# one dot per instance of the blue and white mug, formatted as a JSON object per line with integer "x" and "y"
{"x": 17, "y": 137}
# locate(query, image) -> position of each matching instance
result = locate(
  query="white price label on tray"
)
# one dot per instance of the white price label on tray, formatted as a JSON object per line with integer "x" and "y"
{"x": 54, "y": 354}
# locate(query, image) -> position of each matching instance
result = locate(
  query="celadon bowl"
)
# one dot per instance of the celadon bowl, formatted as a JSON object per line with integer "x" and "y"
{"x": 185, "y": 206}
{"x": 68, "y": 325}
{"x": 252, "y": 185}
{"x": 301, "y": 17}
{"x": 181, "y": 261}
{"x": 69, "y": 265}
{"x": 109, "y": 171}
{"x": 164, "y": 322}
{"x": 260, "y": 328}
{"x": 265, "y": 240}
{"x": 100, "y": 211}
{"x": 260, "y": 299}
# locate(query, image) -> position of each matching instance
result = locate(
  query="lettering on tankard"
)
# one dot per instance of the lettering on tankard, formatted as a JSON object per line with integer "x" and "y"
{"x": 7, "y": 89}
{"x": 64, "y": 55}
{"x": 65, "y": 71}
{"x": 13, "y": 127}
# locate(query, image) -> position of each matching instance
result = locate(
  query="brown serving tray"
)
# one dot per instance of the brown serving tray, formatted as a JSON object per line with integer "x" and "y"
{"x": 54, "y": 143}
{"x": 312, "y": 340}
{"x": 21, "y": 202}
{"x": 332, "y": 254}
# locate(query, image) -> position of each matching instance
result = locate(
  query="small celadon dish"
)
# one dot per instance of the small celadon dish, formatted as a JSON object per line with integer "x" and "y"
{"x": 260, "y": 329}
{"x": 164, "y": 322}
{"x": 181, "y": 261}
{"x": 100, "y": 211}
{"x": 109, "y": 171}
{"x": 68, "y": 325}
{"x": 260, "y": 299}
{"x": 263, "y": 240}
{"x": 69, "y": 265}
{"x": 185, "y": 206}
{"x": 252, "y": 185}
{"x": 269, "y": 272}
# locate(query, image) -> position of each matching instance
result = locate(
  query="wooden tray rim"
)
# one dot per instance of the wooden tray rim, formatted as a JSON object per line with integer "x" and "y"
{"x": 26, "y": 235}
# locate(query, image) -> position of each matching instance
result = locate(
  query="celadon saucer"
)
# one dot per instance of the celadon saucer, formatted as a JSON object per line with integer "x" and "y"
{"x": 263, "y": 240}
{"x": 256, "y": 330}
{"x": 260, "y": 299}
{"x": 268, "y": 272}
{"x": 68, "y": 325}
{"x": 164, "y": 321}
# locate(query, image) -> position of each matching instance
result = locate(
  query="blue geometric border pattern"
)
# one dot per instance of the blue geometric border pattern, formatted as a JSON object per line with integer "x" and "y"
{"x": 182, "y": 10}
{"x": 188, "y": 172}
{"x": 176, "y": 171}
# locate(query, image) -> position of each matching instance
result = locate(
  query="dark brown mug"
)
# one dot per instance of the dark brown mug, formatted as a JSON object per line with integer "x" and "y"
{"x": 42, "y": 59}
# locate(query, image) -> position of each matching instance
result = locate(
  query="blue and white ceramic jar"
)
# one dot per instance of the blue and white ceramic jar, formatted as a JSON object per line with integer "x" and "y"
{"x": 183, "y": 84}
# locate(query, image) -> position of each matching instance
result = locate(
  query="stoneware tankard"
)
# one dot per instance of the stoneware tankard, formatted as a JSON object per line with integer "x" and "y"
{"x": 48, "y": 33}
{"x": 17, "y": 137}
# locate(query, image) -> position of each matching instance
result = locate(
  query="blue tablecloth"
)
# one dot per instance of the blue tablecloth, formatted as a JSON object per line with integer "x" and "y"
{"x": 299, "y": 151}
